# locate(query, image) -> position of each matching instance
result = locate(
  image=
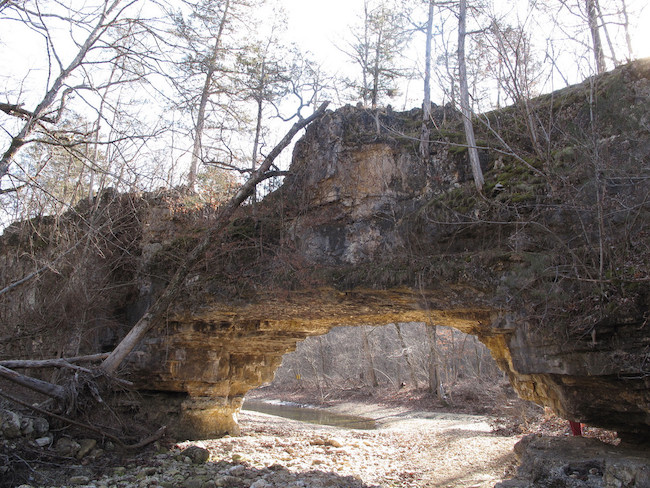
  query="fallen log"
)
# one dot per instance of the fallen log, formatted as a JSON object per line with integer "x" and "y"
{"x": 40, "y": 386}
{"x": 54, "y": 362}
{"x": 60, "y": 363}
{"x": 41, "y": 363}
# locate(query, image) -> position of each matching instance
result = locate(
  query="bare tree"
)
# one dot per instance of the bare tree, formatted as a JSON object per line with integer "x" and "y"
{"x": 267, "y": 69}
{"x": 608, "y": 19}
{"x": 592, "y": 8}
{"x": 433, "y": 362}
{"x": 626, "y": 29}
{"x": 212, "y": 18}
{"x": 517, "y": 76}
{"x": 50, "y": 108}
{"x": 475, "y": 163}
{"x": 405, "y": 353}
{"x": 368, "y": 358}
{"x": 377, "y": 44}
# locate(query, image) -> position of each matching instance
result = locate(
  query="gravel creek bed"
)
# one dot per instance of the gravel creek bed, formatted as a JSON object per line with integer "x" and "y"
{"x": 408, "y": 449}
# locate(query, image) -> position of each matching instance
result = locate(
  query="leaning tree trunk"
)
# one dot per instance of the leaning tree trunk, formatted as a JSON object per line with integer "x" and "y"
{"x": 175, "y": 286}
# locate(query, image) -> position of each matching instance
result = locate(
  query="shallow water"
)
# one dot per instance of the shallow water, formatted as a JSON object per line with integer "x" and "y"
{"x": 309, "y": 414}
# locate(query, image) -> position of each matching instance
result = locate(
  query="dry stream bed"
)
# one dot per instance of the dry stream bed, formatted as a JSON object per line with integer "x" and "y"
{"x": 407, "y": 449}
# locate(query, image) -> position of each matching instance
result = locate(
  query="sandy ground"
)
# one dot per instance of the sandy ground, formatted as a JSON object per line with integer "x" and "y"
{"x": 409, "y": 449}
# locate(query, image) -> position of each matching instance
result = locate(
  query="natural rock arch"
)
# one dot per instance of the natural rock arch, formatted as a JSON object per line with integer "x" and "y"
{"x": 365, "y": 232}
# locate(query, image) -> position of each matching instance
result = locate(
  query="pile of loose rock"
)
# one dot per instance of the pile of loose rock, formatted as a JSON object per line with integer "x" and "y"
{"x": 31, "y": 451}
{"x": 14, "y": 426}
{"x": 18, "y": 429}
{"x": 578, "y": 462}
{"x": 192, "y": 468}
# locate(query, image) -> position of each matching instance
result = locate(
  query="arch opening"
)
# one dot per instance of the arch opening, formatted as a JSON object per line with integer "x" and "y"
{"x": 409, "y": 363}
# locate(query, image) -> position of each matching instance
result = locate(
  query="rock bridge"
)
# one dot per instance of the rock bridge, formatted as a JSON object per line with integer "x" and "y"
{"x": 367, "y": 232}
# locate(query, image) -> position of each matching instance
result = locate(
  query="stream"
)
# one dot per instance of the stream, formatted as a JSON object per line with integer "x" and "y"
{"x": 309, "y": 414}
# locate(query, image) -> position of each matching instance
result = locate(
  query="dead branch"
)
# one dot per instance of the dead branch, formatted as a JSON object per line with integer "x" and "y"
{"x": 147, "y": 440}
{"x": 42, "y": 363}
{"x": 18, "y": 111}
{"x": 138, "y": 331}
{"x": 54, "y": 362}
{"x": 88, "y": 358}
{"x": 4, "y": 191}
{"x": 34, "y": 384}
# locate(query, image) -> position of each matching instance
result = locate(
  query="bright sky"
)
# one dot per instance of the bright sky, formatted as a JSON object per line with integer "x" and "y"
{"x": 318, "y": 26}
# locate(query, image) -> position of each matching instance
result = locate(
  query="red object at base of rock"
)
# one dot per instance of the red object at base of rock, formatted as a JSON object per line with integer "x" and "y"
{"x": 576, "y": 428}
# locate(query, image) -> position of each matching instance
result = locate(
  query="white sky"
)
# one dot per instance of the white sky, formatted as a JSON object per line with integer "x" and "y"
{"x": 317, "y": 25}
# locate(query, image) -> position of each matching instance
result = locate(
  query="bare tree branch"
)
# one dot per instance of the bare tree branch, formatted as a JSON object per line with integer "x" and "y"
{"x": 19, "y": 140}
{"x": 17, "y": 111}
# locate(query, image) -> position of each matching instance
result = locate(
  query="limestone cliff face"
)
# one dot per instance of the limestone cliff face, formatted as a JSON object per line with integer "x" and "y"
{"x": 549, "y": 267}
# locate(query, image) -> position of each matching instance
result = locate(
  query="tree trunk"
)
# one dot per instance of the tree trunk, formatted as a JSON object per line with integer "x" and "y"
{"x": 626, "y": 28}
{"x": 371, "y": 376}
{"x": 205, "y": 96}
{"x": 365, "y": 57}
{"x": 477, "y": 172}
{"x": 434, "y": 377}
{"x": 610, "y": 44}
{"x": 478, "y": 354}
{"x": 323, "y": 359}
{"x": 258, "y": 131}
{"x": 426, "y": 102}
{"x": 112, "y": 362}
{"x": 375, "y": 72}
{"x": 405, "y": 353}
{"x": 592, "y": 19}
